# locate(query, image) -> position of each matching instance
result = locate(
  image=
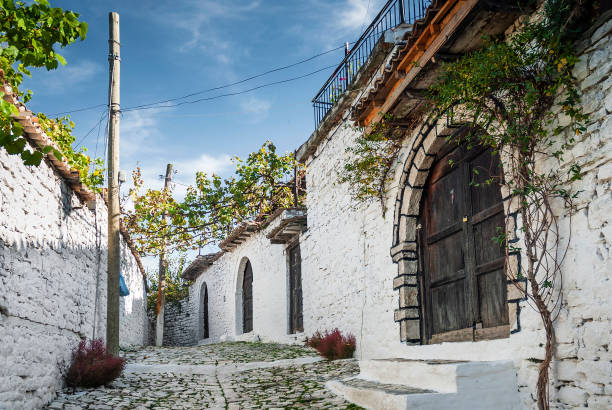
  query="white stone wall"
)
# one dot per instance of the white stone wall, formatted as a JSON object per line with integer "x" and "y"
{"x": 223, "y": 279}
{"x": 52, "y": 282}
{"x": 347, "y": 270}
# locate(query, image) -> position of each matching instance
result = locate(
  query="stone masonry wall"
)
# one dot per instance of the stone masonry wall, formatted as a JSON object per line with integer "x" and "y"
{"x": 52, "y": 282}
{"x": 178, "y": 324}
{"x": 347, "y": 271}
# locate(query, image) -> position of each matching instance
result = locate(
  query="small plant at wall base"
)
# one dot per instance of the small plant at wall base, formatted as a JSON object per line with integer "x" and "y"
{"x": 333, "y": 345}
{"x": 93, "y": 365}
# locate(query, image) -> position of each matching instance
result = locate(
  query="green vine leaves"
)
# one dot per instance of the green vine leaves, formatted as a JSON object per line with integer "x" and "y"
{"x": 213, "y": 206}
{"x": 175, "y": 289}
{"x": 29, "y": 33}
{"x": 518, "y": 96}
{"x": 91, "y": 170}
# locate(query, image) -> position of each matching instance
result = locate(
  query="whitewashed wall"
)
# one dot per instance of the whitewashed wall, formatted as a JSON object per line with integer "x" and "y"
{"x": 223, "y": 279}
{"x": 52, "y": 282}
{"x": 347, "y": 271}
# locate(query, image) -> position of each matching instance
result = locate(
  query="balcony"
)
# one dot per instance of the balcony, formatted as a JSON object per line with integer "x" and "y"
{"x": 393, "y": 14}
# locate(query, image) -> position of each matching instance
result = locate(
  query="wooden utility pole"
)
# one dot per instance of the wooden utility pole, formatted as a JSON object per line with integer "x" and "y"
{"x": 114, "y": 213}
{"x": 161, "y": 297}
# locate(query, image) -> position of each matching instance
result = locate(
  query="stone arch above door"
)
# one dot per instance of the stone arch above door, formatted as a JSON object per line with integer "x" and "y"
{"x": 405, "y": 253}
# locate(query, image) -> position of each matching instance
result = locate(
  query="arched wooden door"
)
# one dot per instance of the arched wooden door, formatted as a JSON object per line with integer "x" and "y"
{"x": 295, "y": 290}
{"x": 204, "y": 312}
{"x": 247, "y": 298}
{"x": 464, "y": 281}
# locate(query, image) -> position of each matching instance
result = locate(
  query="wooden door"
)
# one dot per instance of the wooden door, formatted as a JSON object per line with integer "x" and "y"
{"x": 295, "y": 290}
{"x": 464, "y": 281}
{"x": 204, "y": 298}
{"x": 247, "y": 299}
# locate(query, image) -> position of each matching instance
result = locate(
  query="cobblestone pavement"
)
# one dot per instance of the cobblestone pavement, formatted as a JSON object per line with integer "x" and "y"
{"x": 229, "y": 352}
{"x": 220, "y": 376}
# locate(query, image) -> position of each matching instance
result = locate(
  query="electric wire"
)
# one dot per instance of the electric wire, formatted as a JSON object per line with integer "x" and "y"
{"x": 234, "y": 83}
{"x": 210, "y": 89}
{"x": 78, "y": 110}
{"x": 129, "y": 109}
{"x": 80, "y": 141}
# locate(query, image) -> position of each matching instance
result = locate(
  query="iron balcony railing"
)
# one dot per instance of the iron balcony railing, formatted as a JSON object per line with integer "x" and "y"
{"x": 394, "y": 13}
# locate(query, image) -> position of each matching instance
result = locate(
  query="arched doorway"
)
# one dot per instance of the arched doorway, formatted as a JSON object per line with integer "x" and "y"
{"x": 247, "y": 298}
{"x": 204, "y": 329}
{"x": 463, "y": 281}
{"x": 450, "y": 273}
{"x": 296, "y": 321}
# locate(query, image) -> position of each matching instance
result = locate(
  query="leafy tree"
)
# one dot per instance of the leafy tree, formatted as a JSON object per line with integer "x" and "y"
{"x": 213, "y": 207}
{"x": 28, "y": 34}
{"x": 175, "y": 289}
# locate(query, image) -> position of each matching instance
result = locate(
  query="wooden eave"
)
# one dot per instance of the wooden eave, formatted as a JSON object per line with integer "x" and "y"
{"x": 199, "y": 265}
{"x": 239, "y": 235}
{"x": 292, "y": 223}
{"x": 449, "y": 30}
{"x": 34, "y": 134}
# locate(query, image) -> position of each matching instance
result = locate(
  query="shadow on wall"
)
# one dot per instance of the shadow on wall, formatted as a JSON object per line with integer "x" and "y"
{"x": 52, "y": 295}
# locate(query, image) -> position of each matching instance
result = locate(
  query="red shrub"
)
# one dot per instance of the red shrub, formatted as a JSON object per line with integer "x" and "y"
{"x": 93, "y": 365}
{"x": 333, "y": 345}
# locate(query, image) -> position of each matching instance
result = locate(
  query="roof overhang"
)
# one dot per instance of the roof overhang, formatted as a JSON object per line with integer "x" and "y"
{"x": 199, "y": 265}
{"x": 289, "y": 224}
{"x": 450, "y": 29}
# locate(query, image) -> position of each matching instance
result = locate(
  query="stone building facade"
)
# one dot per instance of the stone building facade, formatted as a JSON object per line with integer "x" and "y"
{"x": 53, "y": 281}
{"x": 359, "y": 269}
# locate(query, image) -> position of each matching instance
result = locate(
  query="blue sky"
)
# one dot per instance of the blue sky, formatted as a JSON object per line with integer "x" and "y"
{"x": 172, "y": 48}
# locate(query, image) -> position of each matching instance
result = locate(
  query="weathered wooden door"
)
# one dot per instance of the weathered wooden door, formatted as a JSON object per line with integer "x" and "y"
{"x": 295, "y": 290}
{"x": 204, "y": 318}
{"x": 464, "y": 281}
{"x": 247, "y": 299}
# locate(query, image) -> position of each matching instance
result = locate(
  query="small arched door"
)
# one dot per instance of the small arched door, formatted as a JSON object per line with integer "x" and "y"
{"x": 204, "y": 332}
{"x": 464, "y": 281}
{"x": 247, "y": 298}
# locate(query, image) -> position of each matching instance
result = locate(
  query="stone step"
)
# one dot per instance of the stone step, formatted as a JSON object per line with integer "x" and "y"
{"x": 372, "y": 395}
{"x": 437, "y": 375}
{"x": 433, "y": 384}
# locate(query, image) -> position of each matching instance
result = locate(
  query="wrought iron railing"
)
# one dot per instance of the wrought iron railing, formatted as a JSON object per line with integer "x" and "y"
{"x": 393, "y": 13}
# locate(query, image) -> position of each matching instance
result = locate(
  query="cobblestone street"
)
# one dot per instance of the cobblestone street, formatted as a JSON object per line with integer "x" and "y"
{"x": 220, "y": 376}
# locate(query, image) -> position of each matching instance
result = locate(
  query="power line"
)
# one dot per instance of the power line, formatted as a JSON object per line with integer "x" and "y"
{"x": 229, "y": 94}
{"x": 234, "y": 83}
{"x": 90, "y": 131}
{"x": 209, "y": 89}
{"x": 78, "y": 110}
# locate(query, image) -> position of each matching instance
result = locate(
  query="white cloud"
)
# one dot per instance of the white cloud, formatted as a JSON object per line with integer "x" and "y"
{"x": 186, "y": 170}
{"x": 70, "y": 75}
{"x": 195, "y": 16}
{"x": 256, "y": 106}
{"x": 355, "y": 14}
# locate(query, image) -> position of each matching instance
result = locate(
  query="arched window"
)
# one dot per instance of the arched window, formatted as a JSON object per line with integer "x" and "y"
{"x": 203, "y": 322}
{"x": 464, "y": 284}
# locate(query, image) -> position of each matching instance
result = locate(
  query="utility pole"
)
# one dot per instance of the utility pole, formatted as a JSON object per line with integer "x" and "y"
{"x": 114, "y": 213}
{"x": 161, "y": 297}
